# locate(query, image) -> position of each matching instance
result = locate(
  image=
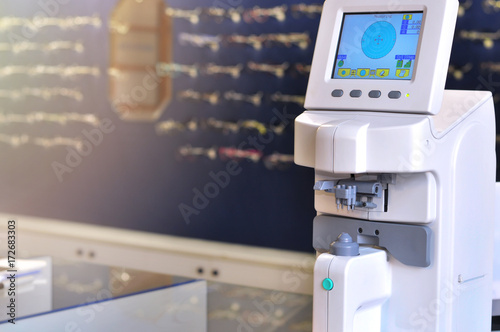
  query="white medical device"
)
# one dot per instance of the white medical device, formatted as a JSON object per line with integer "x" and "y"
{"x": 404, "y": 173}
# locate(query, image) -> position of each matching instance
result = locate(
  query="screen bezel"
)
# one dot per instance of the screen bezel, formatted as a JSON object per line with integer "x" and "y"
{"x": 377, "y": 13}
{"x": 425, "y": 89}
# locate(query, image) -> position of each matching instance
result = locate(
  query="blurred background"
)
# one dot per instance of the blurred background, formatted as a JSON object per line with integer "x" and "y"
{"x": 176, "y": 117}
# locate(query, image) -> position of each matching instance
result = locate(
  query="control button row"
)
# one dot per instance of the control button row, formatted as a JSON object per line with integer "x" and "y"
{"x": 337, "y": 93}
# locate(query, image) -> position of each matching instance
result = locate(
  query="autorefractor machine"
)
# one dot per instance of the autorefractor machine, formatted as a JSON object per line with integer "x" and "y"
{"x": 404, "y": 173}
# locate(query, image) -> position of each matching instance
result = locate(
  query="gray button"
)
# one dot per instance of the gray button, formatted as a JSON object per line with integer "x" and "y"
{"x": 337, "y": 93}
{"x": 375, "y": 94}
{"x": 355, "y": 93}
{"x": 395, "y": 94}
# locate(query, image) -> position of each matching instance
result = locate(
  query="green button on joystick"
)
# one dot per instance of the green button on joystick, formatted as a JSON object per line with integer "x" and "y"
{"x": 328, "y": 284}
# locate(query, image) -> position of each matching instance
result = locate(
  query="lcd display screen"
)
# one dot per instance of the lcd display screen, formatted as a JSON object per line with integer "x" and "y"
{"x": 379, "y": 46}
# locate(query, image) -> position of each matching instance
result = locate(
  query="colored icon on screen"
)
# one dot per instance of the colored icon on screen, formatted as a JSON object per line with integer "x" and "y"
{"x": 407, "y": 17}
{"x": 382, "y": 73}
{"x": 344, "y": 72}
{"x": 402, "y": 73}
{"x": 408, "y": 64}
{"x": 341, "y": 63}
{"x": 353, "y": 72}
{"x": 400, "y": 64}
{"x": 363, "y": 72}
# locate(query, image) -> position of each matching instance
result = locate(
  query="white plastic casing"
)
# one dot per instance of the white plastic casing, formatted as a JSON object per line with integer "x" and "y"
{"x": 444, "y": 168}
{"x": 362, "y": 284}
{"x": 422, "y": 94}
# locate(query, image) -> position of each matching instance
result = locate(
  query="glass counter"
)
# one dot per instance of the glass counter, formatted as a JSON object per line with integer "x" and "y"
{"x": 77, "y": 296}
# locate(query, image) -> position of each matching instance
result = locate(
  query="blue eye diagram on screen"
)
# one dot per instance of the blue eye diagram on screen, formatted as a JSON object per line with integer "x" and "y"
{"x": 378, "y": 46}
{"x": 378, "y": 40}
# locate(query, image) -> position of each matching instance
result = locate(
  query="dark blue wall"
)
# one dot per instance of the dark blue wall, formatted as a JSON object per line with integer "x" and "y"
{"x": 136, "y": 178}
